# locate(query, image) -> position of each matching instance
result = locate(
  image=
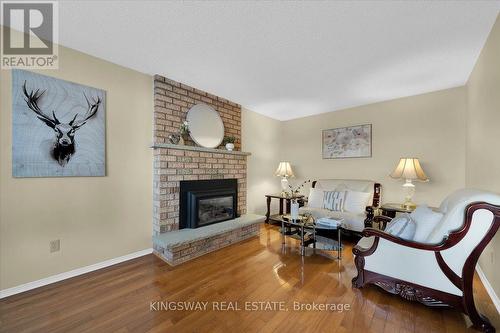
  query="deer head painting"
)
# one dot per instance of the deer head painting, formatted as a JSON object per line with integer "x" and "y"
{"x": 58, "y": 127}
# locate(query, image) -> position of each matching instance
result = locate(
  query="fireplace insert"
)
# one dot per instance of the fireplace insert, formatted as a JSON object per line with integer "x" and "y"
{"x": 204, "y": 202}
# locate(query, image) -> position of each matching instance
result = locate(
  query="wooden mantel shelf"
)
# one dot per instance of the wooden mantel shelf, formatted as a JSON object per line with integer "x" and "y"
{"x": 196, "y": 148}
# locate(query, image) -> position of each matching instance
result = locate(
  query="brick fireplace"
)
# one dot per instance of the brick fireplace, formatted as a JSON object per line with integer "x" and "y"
{"x": 190, "y": 164}
{"x": 173, "y": 164}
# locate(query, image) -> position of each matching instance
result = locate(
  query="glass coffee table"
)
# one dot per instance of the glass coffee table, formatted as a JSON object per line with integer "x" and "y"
{"x": 308, "y": 232}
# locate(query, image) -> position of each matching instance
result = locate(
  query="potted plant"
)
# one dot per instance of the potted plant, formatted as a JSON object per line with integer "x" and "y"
{"x": 293, "y": 193}
{"x": 184, "y": 132}
{"x": 229, "y": 141}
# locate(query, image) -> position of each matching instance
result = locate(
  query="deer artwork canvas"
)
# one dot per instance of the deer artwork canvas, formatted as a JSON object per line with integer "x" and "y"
{"x": 58, "y": 127}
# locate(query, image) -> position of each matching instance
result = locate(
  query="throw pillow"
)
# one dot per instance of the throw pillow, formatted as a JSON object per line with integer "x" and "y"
{"x": 340, "y": 187}
{"x": 426, "y": 220}
{"x": 402, "y": 226}
{"x": 315, "y": 199}
{"x": 356, "y": 202}
{"x": 334, "y": 200}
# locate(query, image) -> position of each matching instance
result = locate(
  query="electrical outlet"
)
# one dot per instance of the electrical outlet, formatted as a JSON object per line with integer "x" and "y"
{"x": 55, "y": 245}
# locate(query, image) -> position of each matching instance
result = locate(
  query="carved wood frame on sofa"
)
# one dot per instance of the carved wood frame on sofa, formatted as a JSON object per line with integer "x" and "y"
{"x": 370, "y": 210}
{"x": 426, "y": 295}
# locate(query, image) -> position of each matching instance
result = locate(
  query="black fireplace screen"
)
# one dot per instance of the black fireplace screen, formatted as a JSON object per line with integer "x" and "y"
{"x": 214, "y": 210}
{"x": 204, "y": 202}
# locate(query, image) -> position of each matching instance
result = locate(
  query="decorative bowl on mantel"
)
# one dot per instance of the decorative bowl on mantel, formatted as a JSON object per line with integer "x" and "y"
{"x": 174, "y": 138}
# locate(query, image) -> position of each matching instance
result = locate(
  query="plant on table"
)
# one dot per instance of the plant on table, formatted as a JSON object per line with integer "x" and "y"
{"x": 293, "y": 191}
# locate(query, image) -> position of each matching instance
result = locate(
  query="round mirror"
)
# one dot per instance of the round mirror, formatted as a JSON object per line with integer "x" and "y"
{"x": 205, "y": 126}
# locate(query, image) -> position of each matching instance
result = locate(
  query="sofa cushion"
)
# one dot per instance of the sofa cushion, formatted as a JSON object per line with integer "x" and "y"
{"x": 355, "y": 222}
{"x": 315, "y": 199}
{"x": 334, "y": 200}
{"x": 356, "y": 202}
{"x": 352, "y": 184}
{"x": 347, "y": 184}
{"x": 426, "y": 220}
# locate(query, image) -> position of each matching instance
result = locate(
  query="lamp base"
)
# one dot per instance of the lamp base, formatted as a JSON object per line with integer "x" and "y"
{"x": 410, "y": 191}
{"x": 408, "y": 205}
{"x": 284, "y": 185}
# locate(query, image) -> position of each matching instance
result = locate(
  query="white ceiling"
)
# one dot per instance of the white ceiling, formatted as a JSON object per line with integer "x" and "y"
{"x": 288, "y": 59}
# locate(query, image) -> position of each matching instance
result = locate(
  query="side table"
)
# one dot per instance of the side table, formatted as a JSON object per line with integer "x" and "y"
{"x": 388, "y": 211}
{"x": 282, "y": 200}
{"x": 391, "y": 209}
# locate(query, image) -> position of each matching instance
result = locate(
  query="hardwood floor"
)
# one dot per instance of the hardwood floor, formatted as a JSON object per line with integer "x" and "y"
{"x": 119, "y": 298}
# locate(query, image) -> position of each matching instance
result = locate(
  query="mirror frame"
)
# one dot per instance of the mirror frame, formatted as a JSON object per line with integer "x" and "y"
{"x": 218, "y": 115}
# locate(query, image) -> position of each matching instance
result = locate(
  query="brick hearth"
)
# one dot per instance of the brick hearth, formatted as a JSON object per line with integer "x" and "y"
{"x": 186, "y": 244}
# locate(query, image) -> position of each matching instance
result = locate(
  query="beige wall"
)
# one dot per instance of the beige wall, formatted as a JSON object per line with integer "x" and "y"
{"x": 96, "y": 218}
{"x": 483, "y": 138}
{"x": 429, "y": 126}
{"x": 260, "y": 136}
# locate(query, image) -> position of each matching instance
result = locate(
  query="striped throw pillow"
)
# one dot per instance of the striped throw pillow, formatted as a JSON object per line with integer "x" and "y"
{"x": 334, "y": 200}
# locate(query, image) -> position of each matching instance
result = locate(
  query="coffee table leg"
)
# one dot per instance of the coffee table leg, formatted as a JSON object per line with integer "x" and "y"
{"x": 302, "y": 249}
{"x": 339, "y": 252}
{"x": 268, "y": 204}
{"x": 282, "y": 232}
{"x": 314, "y": 238}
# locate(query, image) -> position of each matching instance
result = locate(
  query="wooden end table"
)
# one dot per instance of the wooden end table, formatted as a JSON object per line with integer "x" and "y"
{"x": 391, "y": 209}
{"x": 282, "y": 199}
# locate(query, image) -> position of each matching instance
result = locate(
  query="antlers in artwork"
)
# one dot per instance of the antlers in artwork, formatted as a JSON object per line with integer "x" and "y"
{"x": 64, "y": 146}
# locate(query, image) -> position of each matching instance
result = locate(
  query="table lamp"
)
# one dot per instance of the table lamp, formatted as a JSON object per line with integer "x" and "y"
{"x": 410, "y": 170}
{"x": 284, "y": 171}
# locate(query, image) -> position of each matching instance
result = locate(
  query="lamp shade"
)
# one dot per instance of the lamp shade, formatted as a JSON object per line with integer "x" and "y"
{"x": 284, "y": 170}
{"x": 409, "y": 168}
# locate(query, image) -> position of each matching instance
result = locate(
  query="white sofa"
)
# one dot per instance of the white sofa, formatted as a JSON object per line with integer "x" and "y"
{"x": 353, "y": 221}
{"x": 440, "y": 271}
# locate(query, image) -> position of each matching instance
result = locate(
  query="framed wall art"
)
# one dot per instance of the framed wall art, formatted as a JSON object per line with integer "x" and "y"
{"x": 347, "y": 142}
{"x": 58, "y": 127}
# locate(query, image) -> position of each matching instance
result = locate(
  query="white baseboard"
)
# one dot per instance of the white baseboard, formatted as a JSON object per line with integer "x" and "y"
{"x": 488, "y": 287}
{"x": 66, "y": 275}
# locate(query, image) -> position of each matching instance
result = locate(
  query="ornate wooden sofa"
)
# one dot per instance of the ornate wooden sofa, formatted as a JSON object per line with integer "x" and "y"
{"x": 439, "y": 272}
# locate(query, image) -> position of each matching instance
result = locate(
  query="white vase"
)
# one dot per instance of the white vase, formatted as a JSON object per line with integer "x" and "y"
{"x": 230, "y": 146}
{"x": 294, "y": 210}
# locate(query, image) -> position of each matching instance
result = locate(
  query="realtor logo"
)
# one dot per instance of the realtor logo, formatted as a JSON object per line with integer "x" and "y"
{"x": 29, "y": 36}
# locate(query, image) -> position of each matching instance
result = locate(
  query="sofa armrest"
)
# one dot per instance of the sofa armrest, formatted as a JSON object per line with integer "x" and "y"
{"x": 368, "y": 232}
{"x": 382, "y": 218}
{"x": 370, "y": 214}
{"x": 386, "y": 237}
{"x": 382, "y": 221}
